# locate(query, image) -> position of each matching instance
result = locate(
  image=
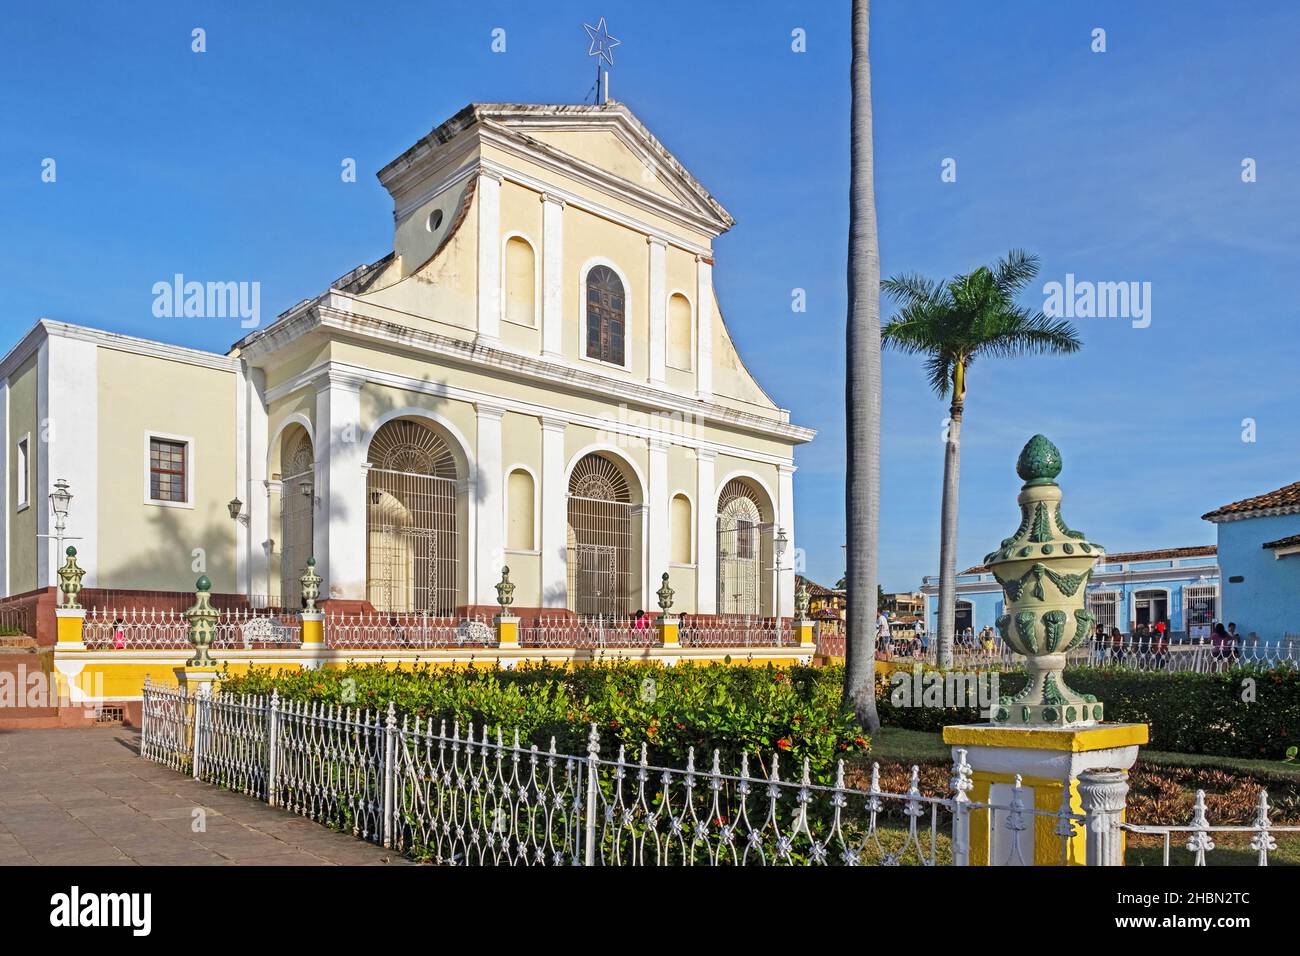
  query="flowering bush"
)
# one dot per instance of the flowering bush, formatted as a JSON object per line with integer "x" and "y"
{"x": 792, "y": 712}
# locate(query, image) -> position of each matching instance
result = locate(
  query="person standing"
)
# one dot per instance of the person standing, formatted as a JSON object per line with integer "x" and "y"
{"x": 882, "y": 632}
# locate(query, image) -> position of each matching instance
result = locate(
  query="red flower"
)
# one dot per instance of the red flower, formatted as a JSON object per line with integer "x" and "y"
{"x": 613, "y": 723}
{"x": 783, "y": 743}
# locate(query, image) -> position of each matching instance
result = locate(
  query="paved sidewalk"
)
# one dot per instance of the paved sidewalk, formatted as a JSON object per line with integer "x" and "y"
{"x": 84, "y": 797}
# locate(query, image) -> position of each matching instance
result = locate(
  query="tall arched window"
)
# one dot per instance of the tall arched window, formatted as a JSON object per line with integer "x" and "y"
{"x": 520, "y": 282}
{"x": 606, "y": 315}
{"x": 680, "y": 337}
{"x": 519, "y": 511}
{"x": 413, "y": 547}
{"x": 679, "y": 531}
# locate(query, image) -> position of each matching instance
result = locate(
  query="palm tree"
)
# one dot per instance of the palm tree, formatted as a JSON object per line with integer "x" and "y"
{"x": 862, "y": 392}
{"x": 952, "y": 323}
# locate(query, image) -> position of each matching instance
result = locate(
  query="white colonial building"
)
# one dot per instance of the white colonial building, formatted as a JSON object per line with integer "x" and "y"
{"x": 537, "y": 375}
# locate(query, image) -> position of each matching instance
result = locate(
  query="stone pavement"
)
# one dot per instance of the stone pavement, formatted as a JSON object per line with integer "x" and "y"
{"x": 85, "y": 798}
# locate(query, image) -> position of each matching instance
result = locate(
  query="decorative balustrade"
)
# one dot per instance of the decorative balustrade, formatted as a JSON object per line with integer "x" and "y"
{"x": 589, "y": 632}
{"x": 405, "y": 629}
{"x": 157, "y": 629}
{"x": 723, "y": 630}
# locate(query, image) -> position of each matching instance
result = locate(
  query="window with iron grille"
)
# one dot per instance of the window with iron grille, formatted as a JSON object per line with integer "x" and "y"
{"x": 606, "y": 315}
{"x": 167, "y": 466}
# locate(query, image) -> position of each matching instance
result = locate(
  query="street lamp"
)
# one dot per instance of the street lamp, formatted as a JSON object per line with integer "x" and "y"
{"x": 779, "y": 544}
{"x": 60, "y": 500}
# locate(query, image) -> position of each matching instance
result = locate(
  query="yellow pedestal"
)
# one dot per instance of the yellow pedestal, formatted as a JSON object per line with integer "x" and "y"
{"x": 1045, "y": 759}
{"x": 670, "y": 631}
{"x": 507, "y": 626}
{"x": 194, "y": 679}
{"x": 313, "y": 628}
{"x": 804, "y": 630}
{"x": 69, "y": 626}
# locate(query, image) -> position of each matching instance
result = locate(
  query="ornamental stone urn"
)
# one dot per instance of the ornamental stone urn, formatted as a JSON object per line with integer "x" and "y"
{"x": 1044, "y": 569}
{"x": 202, "y": 618}
{"x": 70, "y": 576}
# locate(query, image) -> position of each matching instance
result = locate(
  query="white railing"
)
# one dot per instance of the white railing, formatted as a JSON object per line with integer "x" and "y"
{"x": 1198, "y": 835}
{"x": 156, "y": 629}
{"x": 735, "y": 631}
{"x": 456, "y": 797}
{"x": 405, "y": 629}
{"x": 589, "y": 631}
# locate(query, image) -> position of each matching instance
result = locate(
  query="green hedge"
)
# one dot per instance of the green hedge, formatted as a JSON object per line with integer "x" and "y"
{"x": 735, "y": 709}
{"x": 1188, "y": 713}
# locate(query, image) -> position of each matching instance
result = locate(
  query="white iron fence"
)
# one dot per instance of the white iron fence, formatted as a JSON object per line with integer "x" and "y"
{"x": 406, "y": 629}
{"x": 735, "y": 630}
{"x": 589, "y": 631}
{"x": 155, "y": 629}
{"x": 466, "y": 797}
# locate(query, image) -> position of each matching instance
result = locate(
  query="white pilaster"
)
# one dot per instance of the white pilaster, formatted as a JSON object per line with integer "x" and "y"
{"x": 489, "y": 501}
{"x": 704, "y": 327}
{"x": 657, "y": 497}
{"x": 489, "y": 258}
{"x": 555, "y": 547}
{"x": 658, "y": 309}
{"x": 69, "y": 443}
{"x": 339, "y": 533}
{"x": 552, "y": 276}
{"x": 706, "y": 495}
{"x": 785, "y": 520}
{"x": 243, "y": 582}
{"x": 8, "y": 507}
{"x": 254, "y": 491}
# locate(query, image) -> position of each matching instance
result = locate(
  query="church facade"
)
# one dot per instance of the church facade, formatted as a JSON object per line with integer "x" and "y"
{"x": 538, "y": 375}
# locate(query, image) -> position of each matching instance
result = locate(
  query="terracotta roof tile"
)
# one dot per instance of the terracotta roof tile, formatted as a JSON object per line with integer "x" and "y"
{"x": 1287, "y": 497}
{"x": 1287, "y": 542}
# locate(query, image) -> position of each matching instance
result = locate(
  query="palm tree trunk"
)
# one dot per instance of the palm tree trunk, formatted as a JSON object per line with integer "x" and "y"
{"x": 862, "y": 393}
{"x": 948, "y": 537}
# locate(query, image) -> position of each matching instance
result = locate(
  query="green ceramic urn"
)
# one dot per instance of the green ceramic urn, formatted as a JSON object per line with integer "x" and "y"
{"x": 1044, "y": 569}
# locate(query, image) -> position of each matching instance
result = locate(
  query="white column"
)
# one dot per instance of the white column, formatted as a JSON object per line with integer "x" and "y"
{"x": 785, "y": 520}
{"x": 489, "y": 501}
{"x": 68, "y": 439}
{"x": 489, "y": 257}
{"x": 658, "y": 309}
{"x": 339, "y": 533}
{"x": 243, "y": 568}
{"x": 555, "y": 546}
{"x": 704, "y": 327}
{"x": 8, "y": 504}
{"x": 706, "y": 510}
{"x": 552, "y": 276}
{"x": 657, "y": 499}
{"x": 254, "y": 492}
{"x": 1103, "y": 795}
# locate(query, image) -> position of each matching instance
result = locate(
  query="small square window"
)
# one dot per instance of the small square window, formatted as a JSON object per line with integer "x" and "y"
{"x": 167, "y": 470}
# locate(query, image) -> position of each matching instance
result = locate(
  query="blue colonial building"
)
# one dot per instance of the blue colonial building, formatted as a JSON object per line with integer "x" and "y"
{"x": 1259, "y": 552}
{"x": 1177, "y": 585}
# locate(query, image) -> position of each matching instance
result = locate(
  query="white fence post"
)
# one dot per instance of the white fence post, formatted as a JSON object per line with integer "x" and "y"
{"x": 200, "y": 706}
{"x": 273, "y": 747}
{"x": 144, "y": 713}
{"x": 1104, "y": 794}
{"x": 593, "y": 781}
{"x": 961, "y": 784}
{"x": 390, "y": 772}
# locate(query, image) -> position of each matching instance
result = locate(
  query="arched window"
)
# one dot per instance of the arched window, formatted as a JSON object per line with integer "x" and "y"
{"x": 600, "y": 537}
{"x": 520, "y": 282}
{"x": 606, "y": 315}
{"x": 519, "y": 511}
{"x": 680, "y": 337}
{"x": 413, "y": 546}
{"x": 679, "y": 530}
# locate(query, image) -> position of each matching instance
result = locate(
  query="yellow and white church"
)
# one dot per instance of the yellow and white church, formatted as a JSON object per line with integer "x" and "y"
{"x": 537, "y": 375}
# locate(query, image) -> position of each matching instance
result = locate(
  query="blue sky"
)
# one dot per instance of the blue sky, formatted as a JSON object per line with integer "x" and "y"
{"x": 1115, "y": 166}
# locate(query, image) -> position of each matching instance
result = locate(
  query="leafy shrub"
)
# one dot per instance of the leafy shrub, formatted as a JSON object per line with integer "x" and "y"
{"x": 736, "y": 709}
{"x": 1187, "y": 713}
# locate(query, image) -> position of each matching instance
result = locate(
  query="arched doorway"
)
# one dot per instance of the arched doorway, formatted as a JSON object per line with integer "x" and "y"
{"x": 297, "y": 511}
{"x": 601, "y": 537}
{"x": 413, "y": 544}
{"x": 744, "y": 550}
